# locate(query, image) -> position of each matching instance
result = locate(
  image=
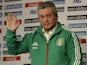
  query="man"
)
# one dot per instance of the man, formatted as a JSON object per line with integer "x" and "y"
{"x": 50, "y": 44}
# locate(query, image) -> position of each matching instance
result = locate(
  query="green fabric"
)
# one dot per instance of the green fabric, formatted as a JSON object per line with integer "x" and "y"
{"x": 62, "y": 49}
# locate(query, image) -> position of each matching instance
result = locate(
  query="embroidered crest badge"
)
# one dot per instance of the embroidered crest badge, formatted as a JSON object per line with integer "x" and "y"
{"x": 60, "y": 42}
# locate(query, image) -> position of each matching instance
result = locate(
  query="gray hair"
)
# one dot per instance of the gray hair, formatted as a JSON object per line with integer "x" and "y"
{"x": 48, "y": 4}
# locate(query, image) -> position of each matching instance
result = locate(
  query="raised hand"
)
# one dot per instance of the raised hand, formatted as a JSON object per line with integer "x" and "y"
{"x": 12, "y": 23}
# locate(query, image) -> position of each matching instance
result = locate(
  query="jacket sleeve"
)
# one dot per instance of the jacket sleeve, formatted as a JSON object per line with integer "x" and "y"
{"x": 16, "y": 47}
{"x": 74, "y": 50}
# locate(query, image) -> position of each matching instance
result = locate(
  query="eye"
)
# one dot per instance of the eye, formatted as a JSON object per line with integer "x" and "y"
{"x": 48, "y": 16}
{"x": 41, "y": 17}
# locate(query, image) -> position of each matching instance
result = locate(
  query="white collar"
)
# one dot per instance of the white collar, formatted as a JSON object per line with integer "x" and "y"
{"x": 51, "y": 31}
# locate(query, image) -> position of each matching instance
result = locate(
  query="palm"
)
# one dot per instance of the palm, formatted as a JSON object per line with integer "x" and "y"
{"x": 12, "y": 23}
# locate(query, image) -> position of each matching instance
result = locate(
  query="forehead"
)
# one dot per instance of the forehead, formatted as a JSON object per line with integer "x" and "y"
{"x": 45, "y": 10}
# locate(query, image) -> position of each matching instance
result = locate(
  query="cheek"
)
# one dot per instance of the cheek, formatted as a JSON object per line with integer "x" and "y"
{"x": 41, "y": 22}
{"x": 54, "y": 20}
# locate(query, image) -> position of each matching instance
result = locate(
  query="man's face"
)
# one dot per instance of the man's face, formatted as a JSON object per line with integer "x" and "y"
{"x": 47, "y": 18}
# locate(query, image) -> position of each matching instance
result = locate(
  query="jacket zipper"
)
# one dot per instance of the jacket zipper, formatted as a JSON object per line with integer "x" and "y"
{"x": 46, "y": 49}
{"x": 47, "y": 54}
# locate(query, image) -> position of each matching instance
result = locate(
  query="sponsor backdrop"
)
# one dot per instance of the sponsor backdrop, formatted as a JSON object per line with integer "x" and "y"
{"x": 71, "y": 13}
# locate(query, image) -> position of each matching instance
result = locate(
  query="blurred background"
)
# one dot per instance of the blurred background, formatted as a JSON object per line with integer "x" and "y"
{"x": 71, "y": 13}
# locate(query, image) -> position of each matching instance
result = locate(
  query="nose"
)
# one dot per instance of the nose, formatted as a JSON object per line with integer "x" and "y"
{"x": 45, "y": 19}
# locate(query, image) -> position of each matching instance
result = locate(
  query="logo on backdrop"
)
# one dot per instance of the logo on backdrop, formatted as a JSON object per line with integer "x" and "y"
{"x": 0, "y": 14}
{"x": 77, "y": 25}
{"x": 0, "y": 7}
{"x": 0, "y": 1}
{"x": 30, "y": 28}
{"x": 12, "y": 58}
{"x": 77, "y": 1}
{"x": 0, "y": 23}
{"x": 60, "y": 9}
{"x": 58, "y": 1}
{"x": 33, "y": 20}
{"x": 77, "y": 17}
{"x": 77, "y": 8}
{"x": 33, "y": 11}
{"x": 0, "y": 45}
{"x": 18, "y": 13}
{"x": 0, "y": 30}
{"x": 11, "y": 0}
{"x": 13, "y": 6}
{"x": 81, "y": 33}
{"x": 32, "y": 4}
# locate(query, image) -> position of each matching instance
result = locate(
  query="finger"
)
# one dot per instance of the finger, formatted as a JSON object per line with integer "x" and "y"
{"x": 15, "y": 18}
{"x": 18, "y": 23}
{"x": 8, "y": 24}
{"x": 8, "y": 20}
{"x": 9, "y": 17}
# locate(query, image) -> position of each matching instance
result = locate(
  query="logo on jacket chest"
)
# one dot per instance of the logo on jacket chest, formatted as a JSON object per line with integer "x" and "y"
{"x": 35, "y": 45}
{"x": 60, "y": 42}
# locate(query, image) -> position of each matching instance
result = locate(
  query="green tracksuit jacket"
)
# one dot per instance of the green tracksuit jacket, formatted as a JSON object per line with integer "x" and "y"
{"x": 62, "y": 49}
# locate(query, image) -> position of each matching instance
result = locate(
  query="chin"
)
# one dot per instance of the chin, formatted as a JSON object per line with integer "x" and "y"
{"x": 47, "y": 29}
